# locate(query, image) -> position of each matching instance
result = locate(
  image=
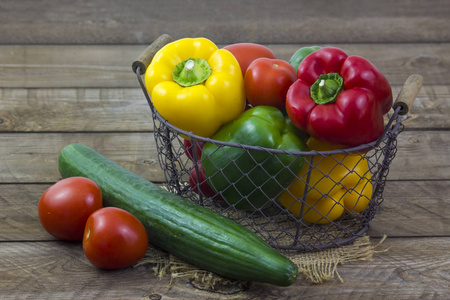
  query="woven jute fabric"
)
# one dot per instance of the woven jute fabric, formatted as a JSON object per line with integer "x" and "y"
{"x": 314, "y": 266}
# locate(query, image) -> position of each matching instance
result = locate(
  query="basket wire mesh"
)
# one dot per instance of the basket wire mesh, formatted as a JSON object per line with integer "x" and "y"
{"x": 274, "y": 222}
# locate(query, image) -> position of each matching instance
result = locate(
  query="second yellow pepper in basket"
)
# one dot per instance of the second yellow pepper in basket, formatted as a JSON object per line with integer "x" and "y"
{"x": 196, "y": 86}
{"x": 338, "y": 183}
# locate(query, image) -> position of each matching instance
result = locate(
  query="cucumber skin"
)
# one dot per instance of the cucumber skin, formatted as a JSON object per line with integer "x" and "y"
{"x": 189, "y": 231}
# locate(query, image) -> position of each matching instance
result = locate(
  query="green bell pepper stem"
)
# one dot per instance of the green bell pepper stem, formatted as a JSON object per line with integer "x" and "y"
{"x": 326, "y": 88}
{"x": 191, "y": 71}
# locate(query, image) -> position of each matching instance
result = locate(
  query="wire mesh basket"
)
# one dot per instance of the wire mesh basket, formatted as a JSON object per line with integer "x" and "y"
{"x": 309, "y": 213}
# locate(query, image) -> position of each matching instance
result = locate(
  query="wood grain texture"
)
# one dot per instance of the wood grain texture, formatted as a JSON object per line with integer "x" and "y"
{"x": 421, "y": 155}
{"x": 413, "y": 208}
{"x": 74, "y": 110}
{"x": 60, "y": 270}
{"x": 413, "y": 268}
{"x": 40, "y": 66}
{"x": 431, "y": 109}
{"x": 410, "y": 269}
{"x": 26, "y": 157}
{"x": 427, "y": 201}
{"x": 284, "y": 21}
{"x": 125, "y": 109}
{"x": 33, "y": 157}
{"x": 97, "y": 66}
{"x": 19, "y": 218}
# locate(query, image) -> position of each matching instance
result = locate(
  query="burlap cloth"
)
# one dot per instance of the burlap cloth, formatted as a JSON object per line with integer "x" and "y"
{"x": 315, "y": 266}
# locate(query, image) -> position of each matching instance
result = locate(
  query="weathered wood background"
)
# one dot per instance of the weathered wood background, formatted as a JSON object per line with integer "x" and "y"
{"x": 65, "y": 76}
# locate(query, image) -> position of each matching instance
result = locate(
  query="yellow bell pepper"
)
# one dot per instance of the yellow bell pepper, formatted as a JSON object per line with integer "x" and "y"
{"x": 196, "y": 86}
{"x": 338, "y": 183}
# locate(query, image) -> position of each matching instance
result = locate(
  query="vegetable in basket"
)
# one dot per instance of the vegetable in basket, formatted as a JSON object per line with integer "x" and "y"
{"x": 197, "y": 179}
{"x": 300, "y": 55}
{"x": 267, "y": 81}
{"x": 196, "y": 86}
{"x": 248, "y": 179}
{"x": 246, "y": 53}
{"x": 338, "y": 183}
{"x": 339, "y": 99}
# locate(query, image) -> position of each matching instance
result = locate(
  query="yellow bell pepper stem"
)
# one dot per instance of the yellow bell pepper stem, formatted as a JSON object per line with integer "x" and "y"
{"x": 191, "y": 71}
{"x": 336, "y": 184}
{"x": 196, "y": 86}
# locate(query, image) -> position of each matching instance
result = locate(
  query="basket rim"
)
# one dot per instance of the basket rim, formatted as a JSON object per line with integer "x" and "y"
{"x": 362, "y": 147}
{"x": 196, "y": 138}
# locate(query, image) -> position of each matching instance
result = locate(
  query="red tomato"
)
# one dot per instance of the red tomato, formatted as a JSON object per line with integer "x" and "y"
{"x": 245, "y": 53}
{"x": 114, "y": 239}
{"x": 267, "y": 82}
{"x": 65, "y": 207}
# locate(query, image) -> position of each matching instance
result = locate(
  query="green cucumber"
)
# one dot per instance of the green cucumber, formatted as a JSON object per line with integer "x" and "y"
{"x": 189, "y": 231}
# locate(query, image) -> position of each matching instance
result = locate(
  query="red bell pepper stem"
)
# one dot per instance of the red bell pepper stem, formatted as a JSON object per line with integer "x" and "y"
{"x": 326, "y": 88}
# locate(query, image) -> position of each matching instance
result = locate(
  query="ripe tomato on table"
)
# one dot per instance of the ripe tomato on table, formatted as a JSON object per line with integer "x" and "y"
{"x": 267, "y": 81}
{"x": 114, "y": 238}
{"x": 65, "y": 207}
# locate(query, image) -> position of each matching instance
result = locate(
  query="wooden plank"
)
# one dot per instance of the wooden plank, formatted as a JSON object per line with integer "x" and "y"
{"x": 412, "y": 268}
{"x": 413, "y": 208}
{"x": 430, "y": 109}
{"x": 60, "y": 270}
{"x": 33, "y": 157}
{"x": 19, "y": 220}
{"x": 68, "y": 66}
{"x": 421, "y": 155}
{"x": 76, "y": 110}
{"x": 97, "y": 66}
{"x": 284, "y": 21}
{"x": 407, "y": 207}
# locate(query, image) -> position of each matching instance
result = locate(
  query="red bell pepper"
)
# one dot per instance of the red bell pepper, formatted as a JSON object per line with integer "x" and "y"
{"x": 339, "y": 99}
{"x": 198, "y": 181}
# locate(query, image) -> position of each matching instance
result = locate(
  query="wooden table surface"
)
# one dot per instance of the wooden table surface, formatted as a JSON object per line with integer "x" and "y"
{"x": 65, "y": 76}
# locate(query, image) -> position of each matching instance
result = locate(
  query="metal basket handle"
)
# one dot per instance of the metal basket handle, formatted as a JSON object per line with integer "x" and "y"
{"x": 143, "y": 61}
{"x": 408, "y": 93}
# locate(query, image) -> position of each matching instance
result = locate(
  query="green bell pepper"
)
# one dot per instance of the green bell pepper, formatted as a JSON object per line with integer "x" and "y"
{"x": 248, "y": 178}
{"x": 300, "y": 54}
